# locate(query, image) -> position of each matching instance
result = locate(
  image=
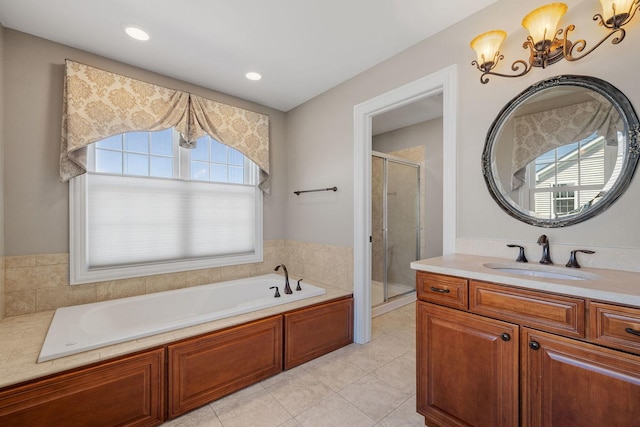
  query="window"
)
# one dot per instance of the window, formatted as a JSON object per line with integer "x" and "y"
{"x": 148, "y": 206}
{"x": 564, "y": 202}
{"x": 581, "y": 169}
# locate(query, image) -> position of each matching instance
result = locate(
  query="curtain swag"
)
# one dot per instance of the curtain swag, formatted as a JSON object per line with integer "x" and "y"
{"x": 99, "y": 104}
{"x": 537, "y": 133}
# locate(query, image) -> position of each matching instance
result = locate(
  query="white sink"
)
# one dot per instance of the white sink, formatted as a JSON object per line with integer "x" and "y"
{"x": 540, "y": 270}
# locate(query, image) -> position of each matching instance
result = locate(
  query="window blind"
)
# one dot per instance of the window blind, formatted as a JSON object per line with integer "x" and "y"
{"x": 135, "y": 220}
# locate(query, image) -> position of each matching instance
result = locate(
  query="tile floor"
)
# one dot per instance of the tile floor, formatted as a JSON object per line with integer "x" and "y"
{"x": 359, "y": 385}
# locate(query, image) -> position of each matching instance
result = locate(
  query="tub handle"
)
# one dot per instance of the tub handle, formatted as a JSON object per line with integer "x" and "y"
{"x": 277, "y": 294}
{"x": 298, "y": 288}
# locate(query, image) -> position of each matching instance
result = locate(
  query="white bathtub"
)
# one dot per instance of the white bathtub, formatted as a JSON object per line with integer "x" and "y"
{"x": 85, "y": 327}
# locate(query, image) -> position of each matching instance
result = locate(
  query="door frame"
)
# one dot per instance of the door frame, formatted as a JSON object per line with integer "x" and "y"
{"x": 445, "y": 82}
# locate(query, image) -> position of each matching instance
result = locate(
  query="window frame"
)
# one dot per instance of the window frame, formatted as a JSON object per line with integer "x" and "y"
{"x": 81, "y": 273}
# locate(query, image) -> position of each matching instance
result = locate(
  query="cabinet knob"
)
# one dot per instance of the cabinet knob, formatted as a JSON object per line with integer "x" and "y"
{"x": 442, "y": 291}
{"x": 534, "y": 345}
{"x": 505, "y": 337}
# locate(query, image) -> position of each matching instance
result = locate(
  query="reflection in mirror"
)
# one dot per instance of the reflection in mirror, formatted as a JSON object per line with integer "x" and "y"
{"x": 559, "y": 152}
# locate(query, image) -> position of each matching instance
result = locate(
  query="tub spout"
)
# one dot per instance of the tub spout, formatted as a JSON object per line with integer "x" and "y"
{"x": 287, "y": 288}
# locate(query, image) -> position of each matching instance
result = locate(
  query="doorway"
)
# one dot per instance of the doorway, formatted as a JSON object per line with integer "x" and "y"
{"x": 444, "y": 82}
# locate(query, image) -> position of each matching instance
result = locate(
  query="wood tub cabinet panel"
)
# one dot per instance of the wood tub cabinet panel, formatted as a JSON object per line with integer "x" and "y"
{"x": 128, "y": 391}
{"x": 208, "y": 367}
{"x": 314, "y": 331}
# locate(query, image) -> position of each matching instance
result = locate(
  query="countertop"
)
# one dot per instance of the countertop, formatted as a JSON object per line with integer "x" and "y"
{"x": 21, "y": 338}
{"x": 622, "y": 287}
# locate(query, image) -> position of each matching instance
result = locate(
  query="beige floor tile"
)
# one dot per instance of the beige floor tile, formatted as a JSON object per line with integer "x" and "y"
{"x": 404, "y": 416}
{"x": 334, "y": 411}
{"x": 284, "y": 375}
{"x": 372, "y": 355}
{"x": 232, "y": 400}
{"x": 400, "y": 373}
{"x": 258, "y": 409}
{"x": 202, "y": 417}
{"x": 374, "y": 397}
{"x": 291, "y": 423}
{"x": 300, "y": 392}
{"x": 336, "y": 372}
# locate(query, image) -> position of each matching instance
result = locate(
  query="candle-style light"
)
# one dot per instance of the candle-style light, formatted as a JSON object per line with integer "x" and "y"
{"x": 546, "y": 43}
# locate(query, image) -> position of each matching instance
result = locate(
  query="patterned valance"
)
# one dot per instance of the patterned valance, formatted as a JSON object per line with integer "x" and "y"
{"x": 538, "y": 133}
{"x": 99, "y": 104}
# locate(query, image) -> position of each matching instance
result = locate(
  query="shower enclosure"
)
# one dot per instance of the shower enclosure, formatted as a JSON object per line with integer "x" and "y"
{"x": 395, "y": 223}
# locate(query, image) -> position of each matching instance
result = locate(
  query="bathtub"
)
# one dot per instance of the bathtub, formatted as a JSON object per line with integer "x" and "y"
{"x": 85, "y": 327}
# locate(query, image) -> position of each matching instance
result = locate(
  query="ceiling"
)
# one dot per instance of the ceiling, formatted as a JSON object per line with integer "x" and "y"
{"x": 301, "y": 47}
{"x": 419, "y": 111}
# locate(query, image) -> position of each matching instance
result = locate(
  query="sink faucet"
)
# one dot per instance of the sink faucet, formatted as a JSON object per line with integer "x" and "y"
{"x": 287, "y": 288}
{"x": 544, "y": 242}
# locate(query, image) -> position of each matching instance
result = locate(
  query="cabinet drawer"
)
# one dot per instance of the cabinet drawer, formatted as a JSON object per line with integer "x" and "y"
{"x": 554, "y": 313}
{"x": 615, "y": 326}
{"x": 444, "y": 290}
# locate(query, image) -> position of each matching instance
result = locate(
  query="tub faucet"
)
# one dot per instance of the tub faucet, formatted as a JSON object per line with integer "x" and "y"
{"x": 544, "y": 242}
{"x": 287, "y": 288}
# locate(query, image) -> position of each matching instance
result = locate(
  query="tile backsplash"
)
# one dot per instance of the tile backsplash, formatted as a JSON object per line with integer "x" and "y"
{"x": 35, "y": 283}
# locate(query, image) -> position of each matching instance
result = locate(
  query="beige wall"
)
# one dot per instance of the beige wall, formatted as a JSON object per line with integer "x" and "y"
{"x": 320, "y": 132}
{"x": 36, "y": 203}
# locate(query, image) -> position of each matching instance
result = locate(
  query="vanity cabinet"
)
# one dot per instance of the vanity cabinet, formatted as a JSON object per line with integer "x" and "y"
{"x": 128, "y": 391}
{"x": 566, "y": 361}
{"x": 566, "y": 382}
{"x": 205, "y": 368}
{"x": 314, "y": 331}
{"x": 467, "y": 368}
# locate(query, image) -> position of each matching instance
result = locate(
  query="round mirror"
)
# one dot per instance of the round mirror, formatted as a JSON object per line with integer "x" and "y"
{"x": 562, "y": 151}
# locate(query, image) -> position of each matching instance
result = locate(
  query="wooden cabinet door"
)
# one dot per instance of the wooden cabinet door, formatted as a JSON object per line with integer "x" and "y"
{"x": 314, "y": 331}
{"x": 205, "y": 368}
{"x": 571, "y": 383}
{"x": 467, "y": 368}
{"x": 126, "y": 392}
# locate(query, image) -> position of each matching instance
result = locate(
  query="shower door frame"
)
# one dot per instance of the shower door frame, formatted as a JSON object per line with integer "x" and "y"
{"x": 385, "y": 225}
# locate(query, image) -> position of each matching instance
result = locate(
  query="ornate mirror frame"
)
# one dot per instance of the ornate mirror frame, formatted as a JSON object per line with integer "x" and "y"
{"x": 631, "y": 130}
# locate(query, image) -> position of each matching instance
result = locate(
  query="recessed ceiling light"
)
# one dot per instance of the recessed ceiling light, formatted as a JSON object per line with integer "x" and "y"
{"x": 253, "y": 76}
{"x": 136, "y": 32}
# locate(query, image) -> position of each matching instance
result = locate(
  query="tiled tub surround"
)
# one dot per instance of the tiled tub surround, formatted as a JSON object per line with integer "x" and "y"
{"x": 614, "y": 286}
{"x": 36, "y": 283}
{"x": 23, "y": 336}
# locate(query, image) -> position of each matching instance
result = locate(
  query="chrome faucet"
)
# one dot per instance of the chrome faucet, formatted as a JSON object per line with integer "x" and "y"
{"x": 544, "y": 242}
{"x": 287, "y": 288}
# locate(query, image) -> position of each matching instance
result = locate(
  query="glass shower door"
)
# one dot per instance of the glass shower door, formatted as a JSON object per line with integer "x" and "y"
{"x": 377, "y": 233}
{"x": 402, "y": 227}
{"x": 395, "y": 226}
